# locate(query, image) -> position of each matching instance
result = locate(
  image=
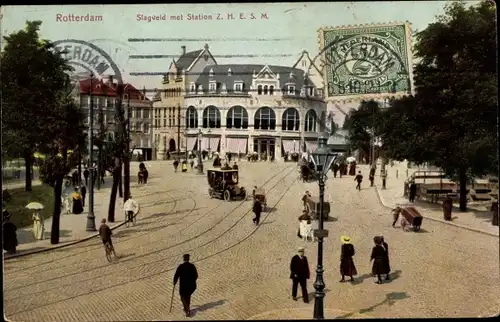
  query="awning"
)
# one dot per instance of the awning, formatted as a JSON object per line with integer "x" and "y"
{"x": 236, "y": 145}
{"x": 214, "y": 144}
{"x": 191, "y": 143}
{"x": 205, "y": 143}
{"x": 311, "y": 146}
{"x": 291, "y": 146}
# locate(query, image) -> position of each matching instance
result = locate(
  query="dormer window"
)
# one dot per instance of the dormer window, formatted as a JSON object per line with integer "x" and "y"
{"x": 271, "y": 90}
{"x": 199, "y": 89}
{"x": 238, "y": 86}
{"x": 259, "y": 90}
{"x": 291, "y": 90}
{"x": 311, "y": 91}
{"x": 192, "y": 87}
{"x": 212, "y": 86}
{"x": 229, "y": 72}
{"x": 265, "y": 90}
{"x": 211, "y": 73}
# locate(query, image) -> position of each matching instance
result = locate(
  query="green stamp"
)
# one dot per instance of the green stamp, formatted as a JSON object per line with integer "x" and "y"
{"x": 366, "y": 60}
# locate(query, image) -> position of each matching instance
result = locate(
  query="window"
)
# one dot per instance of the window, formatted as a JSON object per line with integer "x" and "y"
{"x": 164, "y": 112}
{"x": 229, "y": 72}
{"x": 146, "y": 128}
{"x": 165, "y": 93}
{"x": 265, "y": 90}
{"x": 191, "y": 118}
{"x": 304, "y": 63}
{"x": 145, "y": 113}
{"x": 211, "y": 72}
{"x": 290, "y": 120}
{"x": 310, "y": 124}
{"x": 199, "y": 89}
{"x": 237, "y": 118}
{"x": 213, "y": 87}
{"x": 109, "y": 103}
{"x": 138, "y": 113}
{"x": 238, "y": 87}
{"x": 291, "y": 90}
{"x": 310, "y": 91}
{"x": 211, "y": 117}
{"x": 271, "y": 90}
{"x": 164, "y": 122}
{"x": 265, "y": 119}
{"x": 259, "y": 89}
{"x": 192, "y": 88}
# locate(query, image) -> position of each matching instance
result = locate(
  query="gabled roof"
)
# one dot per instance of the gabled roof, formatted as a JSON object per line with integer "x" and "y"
{"x": 101, "y": 88}
{"x": 305, "y": 53}
{"x": 185, "y": 61}
{"x": 245, "y": 73}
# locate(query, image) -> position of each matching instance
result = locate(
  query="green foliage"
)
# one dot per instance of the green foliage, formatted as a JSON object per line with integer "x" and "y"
{"x": 21, "y": 217}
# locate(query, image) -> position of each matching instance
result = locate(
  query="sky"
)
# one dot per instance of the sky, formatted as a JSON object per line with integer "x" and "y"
{"x": 278, "y": 39}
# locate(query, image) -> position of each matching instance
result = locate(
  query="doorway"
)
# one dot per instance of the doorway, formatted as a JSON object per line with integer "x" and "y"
{"x": 264, "y": 147}
{"x": 171, "y": 145}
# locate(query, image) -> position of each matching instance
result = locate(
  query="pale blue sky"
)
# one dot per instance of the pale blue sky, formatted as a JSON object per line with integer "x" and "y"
{"x": 297, "y": 23}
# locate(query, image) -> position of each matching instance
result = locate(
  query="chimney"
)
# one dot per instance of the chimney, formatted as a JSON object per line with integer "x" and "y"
{"x": 183, "y": 50}
{"x": 110, "y": 80}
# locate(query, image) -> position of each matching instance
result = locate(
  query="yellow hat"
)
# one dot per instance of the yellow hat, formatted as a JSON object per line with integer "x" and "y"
{"x": 345, "y": 239}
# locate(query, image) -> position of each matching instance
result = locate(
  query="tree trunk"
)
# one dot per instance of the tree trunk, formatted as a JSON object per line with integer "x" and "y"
{"x": 56, "y": 215}
{"x": 126, "y": 176}
{"x": 27, "y": 166}
{"x": 463, "y": 189}
{"x": 79, "y": 167}
{"x": 114, "y": 188}
{"x": 120, "y": 185}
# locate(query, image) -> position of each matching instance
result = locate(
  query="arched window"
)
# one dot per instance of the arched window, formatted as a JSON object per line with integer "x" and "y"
{"x": 259, "y": 89}
{"x": 191, "y": 118}
{"x": 237, "y": 118}
{"x": 322, "y": 122}
{"x": 310, "y": 124}
{"x": 271, "y": 90}
{"x": 265, "y": 119}
{"x": 290, "y": 120}
{"x": 211, "y": 117}
{"x": 265, "y": 90}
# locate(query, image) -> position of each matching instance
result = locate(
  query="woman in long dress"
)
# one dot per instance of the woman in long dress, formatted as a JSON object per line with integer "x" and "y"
{"x": 77, "y": 202}
{"x": 347, "y": 266}
{"x": 378, "y": 257}
{"x": 38, "y": 227}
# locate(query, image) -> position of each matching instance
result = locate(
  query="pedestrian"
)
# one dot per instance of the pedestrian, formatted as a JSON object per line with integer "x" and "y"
{"x": 383, "y": 174}
{"x": 184, "y": 166}
{"x": 235, "y": 166}
{"x": 387, "y": 264}
{"x": 145, "y": 175}
{"x": 77, "y": 202}
{"x": 347, "y": 267}
{"x": 306, "y": 196}
{"x": 229, "y": 158}
{"x": 413, "y": 191}
{"x": 176, "y": 164}
{"x": 395, "y": 215}
{"x": 86, "y": 176}
{"x": 191, "y": 163}
{"x": 131, "y": 208}
{"x": 335, "y": 170}
{"x": 447, "y": 207}
{"x": 187, "y": 274}
{"x": 83, "y": 192}
{"x": 75, "y": 178}
{"x": 359, "y": 179}
{"x": 378, "y": 257}
{"x": 253, "y": 193}
{"x": 9, "y": 233}
{"x": 299, "y": 273}
{"x": 372, "y": 176}
{"x": 103, "y": 174}
{"x": 257, "y": 210}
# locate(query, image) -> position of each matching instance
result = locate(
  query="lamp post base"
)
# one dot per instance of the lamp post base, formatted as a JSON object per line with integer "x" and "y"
{"x": 200, "y": 169}
{"x": 91, "y": 222}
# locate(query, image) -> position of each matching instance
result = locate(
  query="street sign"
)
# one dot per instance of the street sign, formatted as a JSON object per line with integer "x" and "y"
{"x": 321, "y": 233}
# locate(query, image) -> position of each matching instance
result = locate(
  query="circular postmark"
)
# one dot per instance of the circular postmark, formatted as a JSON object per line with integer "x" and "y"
{"x": 361, "y": 61}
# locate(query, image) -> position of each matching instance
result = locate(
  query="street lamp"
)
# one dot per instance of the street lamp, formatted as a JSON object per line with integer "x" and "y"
{"x": 208, "y": 133}
{"x": 200, "y": 161}
{"x": 185, "y": 144}
{"x": 322, "y": 159}
{"x": 90, "y": 216}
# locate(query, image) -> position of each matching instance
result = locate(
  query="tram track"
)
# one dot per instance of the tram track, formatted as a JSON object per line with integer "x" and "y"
{"x": 157, "y": 252}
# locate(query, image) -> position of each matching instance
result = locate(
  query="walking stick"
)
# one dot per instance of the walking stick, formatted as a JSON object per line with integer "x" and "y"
{"x": 172, "y": 299}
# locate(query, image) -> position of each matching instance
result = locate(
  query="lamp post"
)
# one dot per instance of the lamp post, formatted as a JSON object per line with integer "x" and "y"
{"x": 322, "y": 159}
{"x": 208, "y": 132}
{"x": 185, "y": 144}
{"x": 200, "y": 161}
{"x": 90, "y": 216}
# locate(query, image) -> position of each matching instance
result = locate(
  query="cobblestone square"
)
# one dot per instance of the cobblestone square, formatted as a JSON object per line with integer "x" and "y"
{"x": 442, "y": 271}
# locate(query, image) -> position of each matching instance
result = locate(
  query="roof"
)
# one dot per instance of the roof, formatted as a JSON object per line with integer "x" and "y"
{"x": 101, "y": 88}
{"x": 337, "y": 139}
{"x": 305, "y": 53}
{"x": 245, "y": 74}
{"x": 187, "y": 59}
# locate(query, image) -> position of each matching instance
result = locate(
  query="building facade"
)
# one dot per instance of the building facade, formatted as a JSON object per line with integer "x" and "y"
{"x": 240, "y": 109}
{"x": 137, "y": 106}
{"x": 168, "y": 102}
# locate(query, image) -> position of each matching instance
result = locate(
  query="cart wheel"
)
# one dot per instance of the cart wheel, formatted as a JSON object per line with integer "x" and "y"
{"x": 227, "y": 195}
{"x": 417, "y": 228}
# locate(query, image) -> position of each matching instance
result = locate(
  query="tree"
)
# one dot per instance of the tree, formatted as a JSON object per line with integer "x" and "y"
{"x": 452, "y": 120}
{"x": 31, "y": 76}
{"x": 361, "y": 124}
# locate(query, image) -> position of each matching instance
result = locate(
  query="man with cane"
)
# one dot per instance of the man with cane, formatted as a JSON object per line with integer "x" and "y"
{"x": 188, "y": 275}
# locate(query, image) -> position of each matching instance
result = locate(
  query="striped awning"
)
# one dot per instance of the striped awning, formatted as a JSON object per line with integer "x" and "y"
{"x": 236, "y": 145}
{"x": 205, "y": 143}
{"x": 311, "y": 146}
{"x": 291, "y": 146}
{"x": 191, "y": 143}
{"x": 214, "y": 144}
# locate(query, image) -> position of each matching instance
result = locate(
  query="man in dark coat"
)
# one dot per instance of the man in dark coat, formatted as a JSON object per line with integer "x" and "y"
{"x": 188, "y": 275}
{"x": 299, "y": 273}
{"x": 9, "y": 233}
{"x": 83, "y": 192}
{"x": 372, "y": 176}
{"x": 257, "y": 210}
{"x": 359, "y": 179}
{"x": 413, "y": 191}
{"x": 335, "y": 169}
{"x": 86, "y": 174}
{"x": 378, "y": 256}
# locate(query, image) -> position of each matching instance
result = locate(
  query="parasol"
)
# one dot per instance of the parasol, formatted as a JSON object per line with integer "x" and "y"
{"x": 351, "y": 159}
{"x": 34, "y": 206}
